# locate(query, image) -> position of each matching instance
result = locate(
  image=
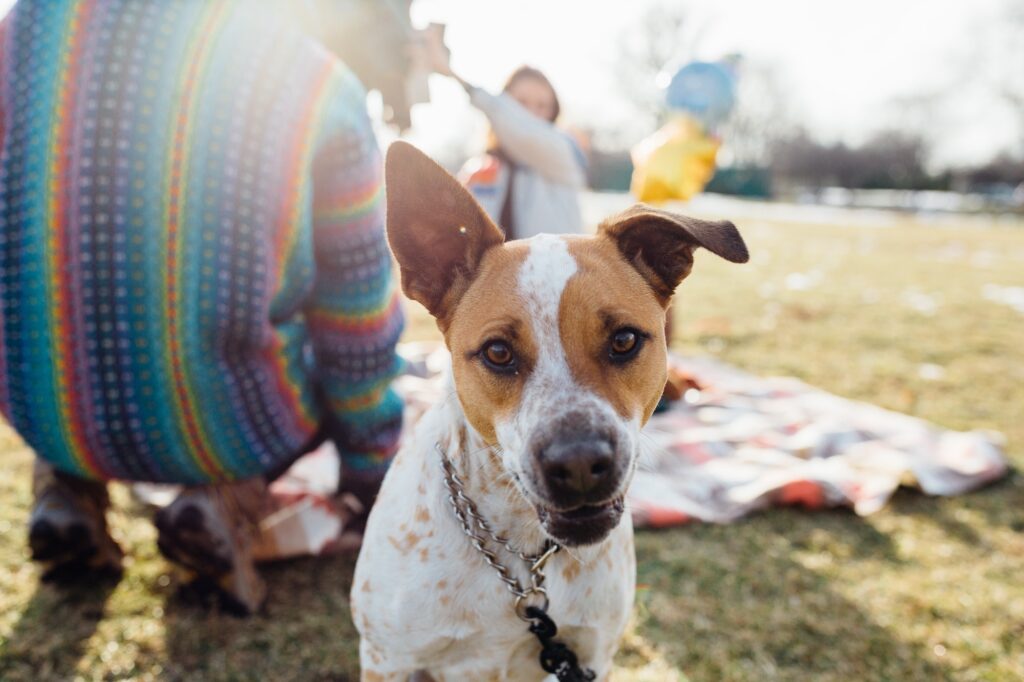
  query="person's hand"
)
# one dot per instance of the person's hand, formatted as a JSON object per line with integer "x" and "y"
{"x": 438, "y": 56}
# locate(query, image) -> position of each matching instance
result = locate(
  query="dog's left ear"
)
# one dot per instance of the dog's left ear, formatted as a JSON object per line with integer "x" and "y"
{"x": 437, "y": 230}
{"x": 660, "y": 244}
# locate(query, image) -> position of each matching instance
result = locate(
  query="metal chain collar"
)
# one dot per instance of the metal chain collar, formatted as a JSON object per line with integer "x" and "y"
{"x": 473, "y": 523}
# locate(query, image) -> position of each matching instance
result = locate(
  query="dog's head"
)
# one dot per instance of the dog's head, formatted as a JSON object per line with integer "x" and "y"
{"x": 557, "y": 342}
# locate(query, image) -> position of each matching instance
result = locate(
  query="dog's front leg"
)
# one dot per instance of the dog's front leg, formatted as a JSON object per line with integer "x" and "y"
{"x": 372, "y": 665}
{"x": 374, "y": 676}
{"x": 375, "y": 667}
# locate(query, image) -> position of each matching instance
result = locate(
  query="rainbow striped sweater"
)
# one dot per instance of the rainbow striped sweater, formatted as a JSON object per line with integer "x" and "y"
{"x": 194, "y": 277}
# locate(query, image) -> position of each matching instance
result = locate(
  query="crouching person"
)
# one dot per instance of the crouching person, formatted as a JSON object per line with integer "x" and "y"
{"x": 194, "y": 278}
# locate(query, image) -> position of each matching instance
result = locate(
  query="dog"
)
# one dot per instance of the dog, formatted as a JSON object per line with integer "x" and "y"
{"x": 558, "y": 359}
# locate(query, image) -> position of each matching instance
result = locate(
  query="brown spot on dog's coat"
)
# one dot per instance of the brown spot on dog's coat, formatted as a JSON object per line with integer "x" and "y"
{"x": 467, "y": 616}
{"x": 422, "y": 514}
{"x": 406, "y": 543}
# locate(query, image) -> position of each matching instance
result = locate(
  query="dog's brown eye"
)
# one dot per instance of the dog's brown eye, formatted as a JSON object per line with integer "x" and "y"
{"x": 624, "y": 344}
{"x": 498, "y": 354}
{"x": 624, "y": 341}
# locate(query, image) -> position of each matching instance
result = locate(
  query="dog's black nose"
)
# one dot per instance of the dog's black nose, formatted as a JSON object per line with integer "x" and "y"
{"x": 580, "y": 470}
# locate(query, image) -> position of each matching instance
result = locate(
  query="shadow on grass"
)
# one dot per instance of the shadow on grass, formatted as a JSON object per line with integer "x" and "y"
{"x": 1001, "y": 504}
{"x": 54, "y": 629}
{"x": 304, "y": 633}
{"x": 744, "y": 607}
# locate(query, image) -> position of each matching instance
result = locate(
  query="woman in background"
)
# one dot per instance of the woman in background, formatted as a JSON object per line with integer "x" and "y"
{"x": 530, "y": 177}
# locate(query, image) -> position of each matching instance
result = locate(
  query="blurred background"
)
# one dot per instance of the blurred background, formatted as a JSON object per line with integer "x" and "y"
{"x": 873, "y": 157}
{"x": 913, "y": 105}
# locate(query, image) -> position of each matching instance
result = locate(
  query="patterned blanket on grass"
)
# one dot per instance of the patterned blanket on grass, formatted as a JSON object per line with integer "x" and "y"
{"x": 743, "y": 443}
{"x": 739, "y": 444}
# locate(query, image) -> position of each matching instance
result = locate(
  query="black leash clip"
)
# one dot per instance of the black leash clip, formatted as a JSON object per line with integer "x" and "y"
{"x": 556, "y": 657}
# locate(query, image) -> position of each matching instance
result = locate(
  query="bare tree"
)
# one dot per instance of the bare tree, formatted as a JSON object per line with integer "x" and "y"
{"x": 657, "y": 40}
{"x": 925, "y": 112}
{"x": 761, "y": 116}
{"x": 666, "y": 36}
{"x": 890, "y": 159}
{"x": 987, "y": 71}
{"x": 1007, "y": 50}
{"x": 661, "y": 37}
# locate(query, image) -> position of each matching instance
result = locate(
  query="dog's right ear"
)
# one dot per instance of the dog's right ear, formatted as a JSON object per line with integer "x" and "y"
{"x": 437, "y": 230}
{"x": 660, "y": 244}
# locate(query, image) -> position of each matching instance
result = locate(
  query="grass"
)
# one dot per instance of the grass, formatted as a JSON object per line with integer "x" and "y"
{"x": 927, "y": 589}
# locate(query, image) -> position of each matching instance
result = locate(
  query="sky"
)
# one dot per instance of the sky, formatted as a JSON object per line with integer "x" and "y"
{"x": 840, "y": 65}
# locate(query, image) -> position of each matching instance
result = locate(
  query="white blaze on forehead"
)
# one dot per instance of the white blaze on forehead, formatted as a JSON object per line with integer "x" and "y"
{"x": 542, "y": 279}
{"x": 550, "y": 387}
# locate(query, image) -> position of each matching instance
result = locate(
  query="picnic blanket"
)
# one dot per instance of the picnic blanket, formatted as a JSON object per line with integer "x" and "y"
{"x": 743, "y": 443}
{"x": 738, "y": 444}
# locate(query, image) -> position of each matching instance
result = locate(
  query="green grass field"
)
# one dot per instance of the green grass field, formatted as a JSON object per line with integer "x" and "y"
{"x": 927, "y": 589}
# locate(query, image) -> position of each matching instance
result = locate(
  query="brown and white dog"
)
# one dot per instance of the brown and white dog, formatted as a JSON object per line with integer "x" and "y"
{"x": 558, "y": 359}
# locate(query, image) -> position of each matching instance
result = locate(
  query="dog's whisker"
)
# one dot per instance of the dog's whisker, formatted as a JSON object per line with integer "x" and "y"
{"x": 572, "y": 553}
{"x": 652, "y": 451}
{"x": 476, "y": 451}
{"x": 505, "y": 477}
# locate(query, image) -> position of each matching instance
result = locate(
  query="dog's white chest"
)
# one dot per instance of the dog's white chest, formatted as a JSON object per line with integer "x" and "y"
{"x": 464, "y": 626}
{"x": 424, "y": 598}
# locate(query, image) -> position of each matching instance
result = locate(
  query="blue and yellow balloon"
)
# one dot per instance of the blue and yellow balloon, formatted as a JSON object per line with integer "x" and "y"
{"x": 678, "y": 161}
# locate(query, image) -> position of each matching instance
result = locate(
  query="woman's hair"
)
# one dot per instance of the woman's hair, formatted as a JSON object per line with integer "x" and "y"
{"x": 528, "y": 72}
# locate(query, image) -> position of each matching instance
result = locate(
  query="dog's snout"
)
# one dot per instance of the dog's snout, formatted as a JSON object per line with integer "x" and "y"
{"x": 580, "y": 470}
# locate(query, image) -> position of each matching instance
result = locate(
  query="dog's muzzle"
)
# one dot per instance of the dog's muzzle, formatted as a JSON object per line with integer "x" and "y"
{"x": 579, "y": 477}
